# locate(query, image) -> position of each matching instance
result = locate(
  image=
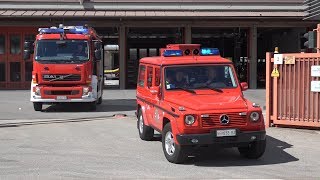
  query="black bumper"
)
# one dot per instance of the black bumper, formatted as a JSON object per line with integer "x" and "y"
{"x": 242, "y": 138}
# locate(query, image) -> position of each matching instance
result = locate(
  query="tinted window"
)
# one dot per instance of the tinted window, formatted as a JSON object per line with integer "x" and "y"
{"x": 149, "y": 76}
{"x": 2, "y": 72}
{"x": 15, "y": 71}
{"x": 199, "y": 77}
{"x": 141, "y": 75}
{"x": 15, "y": 44}
{"x": 2, "y": 44}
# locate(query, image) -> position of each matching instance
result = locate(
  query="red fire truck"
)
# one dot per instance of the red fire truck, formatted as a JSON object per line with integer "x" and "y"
{"x": 67, "y": 66}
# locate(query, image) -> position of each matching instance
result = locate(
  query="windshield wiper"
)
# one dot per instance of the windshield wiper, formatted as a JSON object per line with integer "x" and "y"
{"x": 185, "y": 89}
{"x": 214, "y": 89}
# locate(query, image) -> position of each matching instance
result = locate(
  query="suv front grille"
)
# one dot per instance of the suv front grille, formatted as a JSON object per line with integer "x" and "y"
{"x": 61, "y": 77}
{"x": 214, "y": 120}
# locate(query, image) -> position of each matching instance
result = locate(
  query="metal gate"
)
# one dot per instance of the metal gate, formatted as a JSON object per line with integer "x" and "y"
{"x": 293, "y": 88}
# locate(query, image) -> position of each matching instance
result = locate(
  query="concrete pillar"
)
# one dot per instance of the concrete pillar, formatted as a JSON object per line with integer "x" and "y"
{"x": 187, "y": 35}
{"x": 253, "y": 57}
{"x": 122, "y": 56}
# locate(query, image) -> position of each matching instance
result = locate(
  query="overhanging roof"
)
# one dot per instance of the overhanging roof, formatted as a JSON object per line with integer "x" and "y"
{"x": 30, "y": 13}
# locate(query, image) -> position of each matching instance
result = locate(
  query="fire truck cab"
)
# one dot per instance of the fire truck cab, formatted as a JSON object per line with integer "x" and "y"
{"x": 192, "y": 96}
{"x": 67, "y": 66}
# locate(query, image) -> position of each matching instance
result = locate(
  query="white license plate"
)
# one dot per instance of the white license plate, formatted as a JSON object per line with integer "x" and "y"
{"x": 226, "y": 133}
{"x": 61, "y": 97}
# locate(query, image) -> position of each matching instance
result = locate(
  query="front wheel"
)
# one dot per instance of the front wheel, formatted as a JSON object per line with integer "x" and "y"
{"x": 173, "y": 152}
{"x": 99, "y": 100}
{"x": 254, "y": 150}
{"x": 37, "y": 106}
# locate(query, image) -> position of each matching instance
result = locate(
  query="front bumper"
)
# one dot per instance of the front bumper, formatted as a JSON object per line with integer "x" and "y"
{"x": 88, "y": 98}
{"x": 242, "y": 138}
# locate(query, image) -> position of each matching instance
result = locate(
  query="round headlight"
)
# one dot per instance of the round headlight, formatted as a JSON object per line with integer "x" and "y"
{"x": 254, "y": 116}
{"x": 189, "y": 119}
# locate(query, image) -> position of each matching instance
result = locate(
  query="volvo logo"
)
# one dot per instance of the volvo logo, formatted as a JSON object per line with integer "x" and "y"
{"x": 224, "y": 119}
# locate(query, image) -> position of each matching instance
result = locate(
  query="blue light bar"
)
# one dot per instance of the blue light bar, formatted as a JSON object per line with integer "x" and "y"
{"x": 50, "y": 31}
{"x": 209, "y": 51}
{"x": 67, "y": 29}
{"x": 171, "y": 53}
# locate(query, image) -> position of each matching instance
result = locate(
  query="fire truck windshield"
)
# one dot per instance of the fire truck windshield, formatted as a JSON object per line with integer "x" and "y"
{"x": 213, "y": 77}
{"x": 62, "y": 50}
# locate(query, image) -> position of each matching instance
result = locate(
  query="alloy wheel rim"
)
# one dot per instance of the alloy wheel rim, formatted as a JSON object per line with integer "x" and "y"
{"x": 141, "y": 124}
{"x": 169, "y": 144}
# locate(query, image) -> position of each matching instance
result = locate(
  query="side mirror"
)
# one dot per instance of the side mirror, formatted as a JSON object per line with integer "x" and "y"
{"x": 155, "y": 90}
{"x": 97, "y": 55}
{"x": 28, "y": 46}
{"x": 97, "y": 45}
{"x": 26, "y": 54}
{"x": 244, "y": 86}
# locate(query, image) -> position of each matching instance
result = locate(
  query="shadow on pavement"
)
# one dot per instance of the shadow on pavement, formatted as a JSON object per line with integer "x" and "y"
{"x": 108, "y": 105}
{"x": 219, "y": 157}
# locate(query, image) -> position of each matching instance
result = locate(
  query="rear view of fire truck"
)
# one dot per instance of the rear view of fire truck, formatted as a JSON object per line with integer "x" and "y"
{"x": 67, "y": 66}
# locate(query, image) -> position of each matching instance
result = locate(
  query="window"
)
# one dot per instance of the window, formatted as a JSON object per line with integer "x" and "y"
{"x": 15, "y": 44}
{"x": 200, "y": 77}
{"x": 141, "y": 75}
{"x": 15, "y": 71}
{"x": 61, "y": 51}
{"x": 28, "y": 70}
{"x": 2, "y": 44}
{"x": 149, "y": 76}
{"x": 157, "y": 76}
{"x": 2, "y": 72}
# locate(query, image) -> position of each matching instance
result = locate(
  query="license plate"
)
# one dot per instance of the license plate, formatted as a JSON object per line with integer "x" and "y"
{"x": 226, "y": 133}
{"x": 61, "y": 97}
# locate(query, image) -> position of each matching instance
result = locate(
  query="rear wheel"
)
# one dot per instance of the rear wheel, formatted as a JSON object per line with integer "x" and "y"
{"x": 37, "y": 106}
{"x": 145, "y": 132}
{"x": 173, "y": 152}
{"x": 254, "y": 150}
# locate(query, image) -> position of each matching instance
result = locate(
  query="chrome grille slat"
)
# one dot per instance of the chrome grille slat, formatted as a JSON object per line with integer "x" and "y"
{"x": 68, "y": 77}
{"x": 214, "y": 120}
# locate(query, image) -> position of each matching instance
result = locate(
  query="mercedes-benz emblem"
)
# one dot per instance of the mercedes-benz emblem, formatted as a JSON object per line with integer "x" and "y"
{"x": 224, "y": 119}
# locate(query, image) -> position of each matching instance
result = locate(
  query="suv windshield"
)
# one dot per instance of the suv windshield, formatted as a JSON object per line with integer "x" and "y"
{"x": 213, "y": 77}
{"x": 62, "y": 50}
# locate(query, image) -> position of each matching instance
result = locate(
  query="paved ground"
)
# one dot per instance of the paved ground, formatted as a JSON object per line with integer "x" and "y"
{"x": 110, "y": 148}
{"x": 15, "y": 105}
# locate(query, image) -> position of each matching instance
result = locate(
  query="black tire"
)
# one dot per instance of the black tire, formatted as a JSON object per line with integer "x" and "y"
{"x": 37, "y": 106}
{"x": 254, "y": 150}
{"x": 99, "y": 101}
{"x": 179, "y": 154}
{"x": 145, "y": 132}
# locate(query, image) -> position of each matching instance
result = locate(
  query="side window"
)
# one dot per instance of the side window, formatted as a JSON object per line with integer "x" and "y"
{"x": 141, "y": 77}
{"x": 157, "y": 76}
{"x": 149, "y": 76}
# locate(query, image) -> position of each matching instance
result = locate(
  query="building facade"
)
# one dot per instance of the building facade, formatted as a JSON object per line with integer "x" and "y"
{"x": 243, "y": 30}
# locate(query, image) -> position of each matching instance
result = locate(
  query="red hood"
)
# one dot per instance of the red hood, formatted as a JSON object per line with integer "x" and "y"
{"x": 208, "y": 101}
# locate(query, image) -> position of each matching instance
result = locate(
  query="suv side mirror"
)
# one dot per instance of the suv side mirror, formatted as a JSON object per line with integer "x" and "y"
{"x": 97, "y": 45}
{"x": 26, "y": 54}
{"x": 244, "y": 86}
{"x": 155, "y": 90}
{"x": 97, "y": 55}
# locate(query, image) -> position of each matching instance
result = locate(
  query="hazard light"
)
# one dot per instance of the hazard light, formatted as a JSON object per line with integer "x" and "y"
{"x": 209, "y": 51}
{"x": 171, "y": 53}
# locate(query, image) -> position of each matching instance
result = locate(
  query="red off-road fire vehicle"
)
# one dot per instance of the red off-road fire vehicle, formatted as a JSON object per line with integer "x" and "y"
{"x": 192, "y": 96}
{"x": 67, "y": 66}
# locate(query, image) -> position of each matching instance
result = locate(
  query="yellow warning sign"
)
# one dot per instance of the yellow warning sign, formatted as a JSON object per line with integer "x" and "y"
{"x": 275, "y": 72}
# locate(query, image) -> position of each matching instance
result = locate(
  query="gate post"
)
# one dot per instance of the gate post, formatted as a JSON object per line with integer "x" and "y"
{"x": 318, "y": 38}
{"x": 268, "y": 88}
